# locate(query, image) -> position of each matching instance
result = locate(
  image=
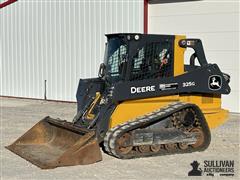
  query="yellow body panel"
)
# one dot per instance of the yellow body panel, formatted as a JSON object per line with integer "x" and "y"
{"x": 210, "y": 105}
{"x": 178, "y": 56}
{"x": 211, "y": 108}
{"x": 216, "y": 119}
{"x": 89, "y": 114}
{"x": 129, "y": 110}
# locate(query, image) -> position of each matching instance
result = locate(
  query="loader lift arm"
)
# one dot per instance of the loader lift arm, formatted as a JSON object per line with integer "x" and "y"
{"x": 195, "y": 44}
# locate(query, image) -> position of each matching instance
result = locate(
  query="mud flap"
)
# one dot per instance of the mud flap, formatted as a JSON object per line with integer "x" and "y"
{"x": 53, "y": 143}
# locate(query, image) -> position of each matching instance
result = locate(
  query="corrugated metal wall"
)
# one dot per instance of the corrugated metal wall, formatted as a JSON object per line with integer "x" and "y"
{"x": 58, "y": 41}
{"x": 216, "y": 23}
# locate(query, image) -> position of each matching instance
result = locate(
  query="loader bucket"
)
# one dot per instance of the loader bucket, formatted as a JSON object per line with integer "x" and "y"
{"x": 52, "y": 143}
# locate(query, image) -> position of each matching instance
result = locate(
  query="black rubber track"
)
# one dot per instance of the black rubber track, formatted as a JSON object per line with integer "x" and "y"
{"x": 115, "y": 133}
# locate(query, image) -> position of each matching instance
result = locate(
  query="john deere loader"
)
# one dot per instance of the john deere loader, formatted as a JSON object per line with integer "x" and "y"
{"x": 145, "y": 102}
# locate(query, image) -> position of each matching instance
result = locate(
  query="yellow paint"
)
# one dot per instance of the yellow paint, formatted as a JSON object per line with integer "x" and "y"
{"x": 129, "y": 110}
{"x": 207, "y": 106}
{"x": 210, "y": 106}
{"x": 89, "y": 114}
{"x": 178, "y": 56}
{"x": 216, "y": 119}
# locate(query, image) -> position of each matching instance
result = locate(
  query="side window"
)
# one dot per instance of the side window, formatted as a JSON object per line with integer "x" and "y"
{"x": 138, "y": 61}
{"x": 115, "y": 59}
{"x": 154, "y": 60}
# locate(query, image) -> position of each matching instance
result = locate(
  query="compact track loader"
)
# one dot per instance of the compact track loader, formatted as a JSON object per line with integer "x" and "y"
{"x": 145, "y": 102}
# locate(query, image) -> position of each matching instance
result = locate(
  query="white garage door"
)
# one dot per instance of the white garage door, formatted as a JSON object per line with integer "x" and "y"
{"x": 216, "y": 23}
{"x": 58, "y": 41}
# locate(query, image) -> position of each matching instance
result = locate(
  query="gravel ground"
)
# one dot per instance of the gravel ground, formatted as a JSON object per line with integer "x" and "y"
{"x": 18, "y": 115}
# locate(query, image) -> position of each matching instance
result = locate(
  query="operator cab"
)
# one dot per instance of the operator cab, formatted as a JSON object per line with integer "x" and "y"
{"x": 130, "y": 57}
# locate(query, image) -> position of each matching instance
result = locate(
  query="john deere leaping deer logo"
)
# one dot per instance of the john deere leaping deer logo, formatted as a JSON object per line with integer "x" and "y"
{"x": 195, "y": 170}
{"x": 215, "y": 82}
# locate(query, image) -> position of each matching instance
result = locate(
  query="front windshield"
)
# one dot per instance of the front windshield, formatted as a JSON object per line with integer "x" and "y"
{"x": 116, "y": 51}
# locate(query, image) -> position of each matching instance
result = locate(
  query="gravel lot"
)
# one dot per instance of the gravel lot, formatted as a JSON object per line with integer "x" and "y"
{"x": 18, "y": 115}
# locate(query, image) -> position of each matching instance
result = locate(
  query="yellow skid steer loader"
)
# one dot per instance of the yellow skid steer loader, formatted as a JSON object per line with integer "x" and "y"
{"x": 145, "y": 102}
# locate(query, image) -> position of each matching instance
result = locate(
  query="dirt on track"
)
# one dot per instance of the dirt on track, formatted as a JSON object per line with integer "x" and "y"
{"x": 19, "y": 115}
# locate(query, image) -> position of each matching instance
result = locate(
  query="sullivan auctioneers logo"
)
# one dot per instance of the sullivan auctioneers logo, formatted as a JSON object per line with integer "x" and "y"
{"x": 212, "y": 168}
